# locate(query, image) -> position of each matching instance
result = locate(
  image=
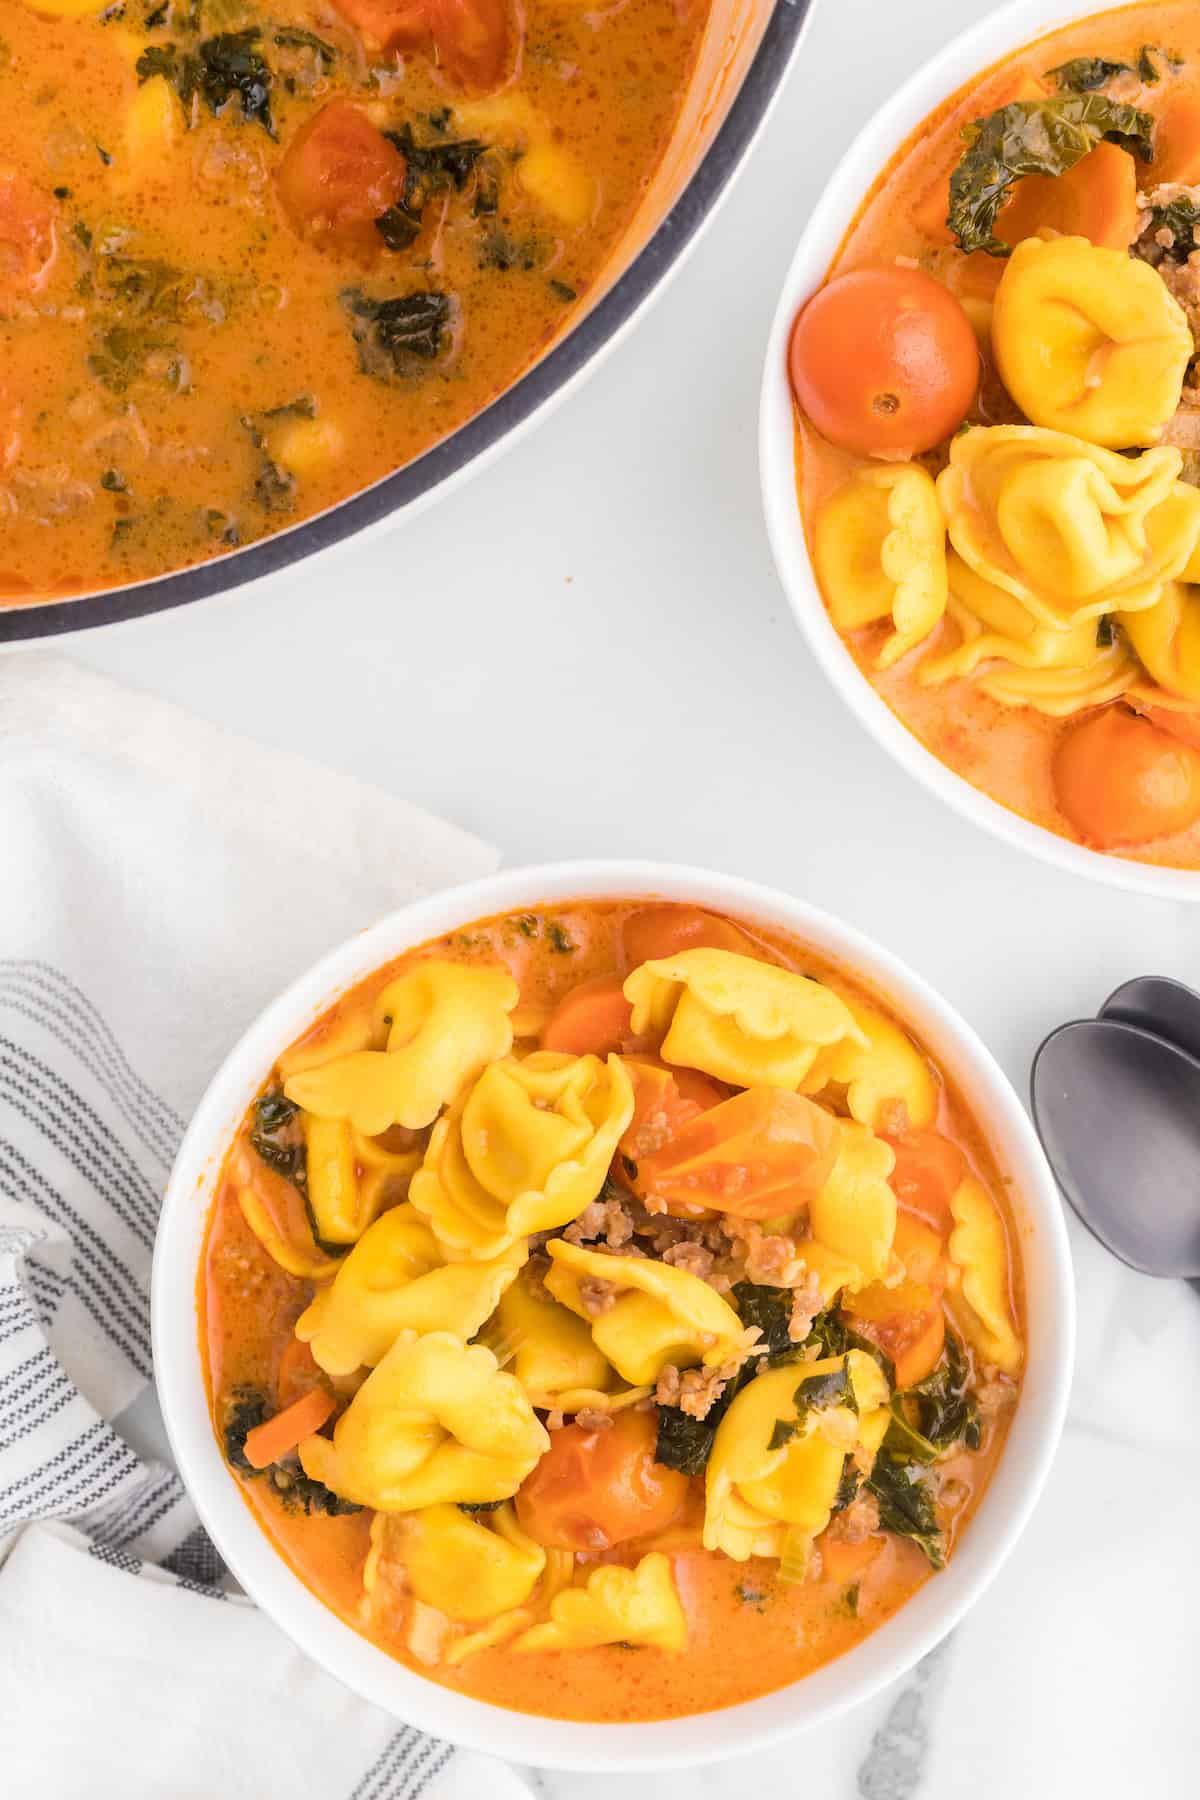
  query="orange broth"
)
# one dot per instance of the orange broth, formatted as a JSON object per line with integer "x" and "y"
{"x": 749, "y": 1632}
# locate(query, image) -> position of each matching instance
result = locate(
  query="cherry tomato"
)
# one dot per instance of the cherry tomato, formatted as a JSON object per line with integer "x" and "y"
{"x": 597, "y": 1488}
{"x": 473, "y": 41}
{"x": 27, "y": 238}
{"x": 928, "y": 1169}
{"x": 336, "y": 177}
{"x": 1121, "y": 780}
{"x": 884, "y": 362}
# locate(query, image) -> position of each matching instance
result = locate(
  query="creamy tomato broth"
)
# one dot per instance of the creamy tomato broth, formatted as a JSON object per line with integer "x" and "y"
{"x": 998, "y": 476}
{"x": 611, "y": 1311}
{"x": 254, "y": 258}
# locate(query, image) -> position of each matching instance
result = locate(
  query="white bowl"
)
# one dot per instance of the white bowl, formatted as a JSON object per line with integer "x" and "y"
{"x": 997, "y": 36}
{"x": 557, "y": 1743}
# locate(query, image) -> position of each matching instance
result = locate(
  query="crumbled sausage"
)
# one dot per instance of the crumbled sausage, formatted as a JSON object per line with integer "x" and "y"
{"x": 692, "y": 1258}
{"x": 856, "y": 1522}
{"x": 592, "y": 1419}
{"x": 596, "y": 1295}
{"x": 607, "y": 1219}
{"x": 806, "y": 1304}
{"x": 695, "y": 1391}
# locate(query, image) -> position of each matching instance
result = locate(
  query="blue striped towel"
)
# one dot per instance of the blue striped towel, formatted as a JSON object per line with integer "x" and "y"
{"x": 148, "y": 910}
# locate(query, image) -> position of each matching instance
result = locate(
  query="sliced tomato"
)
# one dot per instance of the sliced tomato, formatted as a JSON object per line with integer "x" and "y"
{"x": 662, "y": 931}
{"x": 664, "y": 1101}
{"x": 28, "y": 242}
{"x": 762, "y": 1153}
{"x": 597, "y": 1488}
{"x": 928, "y": 1170}
{"x": 473, "y": 41}
{"x": 337, "y": 176}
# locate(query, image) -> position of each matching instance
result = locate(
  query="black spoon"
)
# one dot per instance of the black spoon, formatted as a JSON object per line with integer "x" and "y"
{"x": 1117, "y": 1108}
{"x": 1156, "y": 1003}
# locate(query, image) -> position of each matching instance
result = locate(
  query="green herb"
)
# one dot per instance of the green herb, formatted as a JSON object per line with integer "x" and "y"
{"x": 479, "y": 1506}
{"x": 1083, "y": 73}
{"x": 394, "y": 337}
{"x": 104, "y": 156}
{"x": 770, "y": 1309}
{"x": 850, "y": 1599}
{"x": 1180, "y": 217}
{"x": 292, "y": 37}
{"x": 220, "y": 526}
{"x": 63, "y": 193}
{"x": 220, "y": 69}
{"x": 1146, "y": 68}
{"x": 684, "y": 1443}
{"x": 782, "y": 1433}
{"x": 1106, "y": 631}
{"x": 276, "y": 1138}
{"x": 562, "y": 291}
{"x": 752, "y": 1596}
{"x": 489, "y": 172}
{"x": 848, "y": 1486}
{"x": 527, "y": 924}
{"x": 428, "y": 169}
{"x": 121, "y": 354}
{"x": 398, "y": 228}
{"x": 498, "y": 249}
{"x": 946, "y": 1409}
{"x": 158, "y": 15}
{"x": 112, "y": 481}
{"x": 1033, "y": 137}
{"x": 275, "y": 486}
{"x": 560, "y": 941}
{"x": 831, "y": 1388}
{"x": 906, "y": 1504}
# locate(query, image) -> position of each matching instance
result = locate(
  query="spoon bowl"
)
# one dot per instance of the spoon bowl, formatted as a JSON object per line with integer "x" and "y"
{"x": 1118, "y": 1112}
{"x": 1156, "y": 1003}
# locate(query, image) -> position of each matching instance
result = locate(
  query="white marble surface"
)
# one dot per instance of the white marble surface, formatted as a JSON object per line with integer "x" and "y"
{"x": 588, "y": 652}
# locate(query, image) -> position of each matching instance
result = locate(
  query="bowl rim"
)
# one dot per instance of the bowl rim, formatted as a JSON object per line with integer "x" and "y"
{"x": 972, "y": 51}
{"x": 697, "y": 1738}
{"x": 486, "y": 435}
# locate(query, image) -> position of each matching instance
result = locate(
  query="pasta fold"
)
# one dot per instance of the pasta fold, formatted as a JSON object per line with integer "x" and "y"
{"x": 854, "y": 1215}
{"x": 659, "y": 1314}
{"x": 445, "y": 1021}
{"x": 615, "y": 1606}
{"x": 470, "y": 1568}
{"x": 1167, "y": 639}
{"x": 527, "y": 1150}
{"x": 979, "y": 1254}
{"x": 553, "y": 1351}
{"x": 1090, "y": 341}
{"x": 887, "y": 1067}
{"x": 879, "y": 548}
{"x": 750, "y": 1023}
{"x": 436, "y": 1421}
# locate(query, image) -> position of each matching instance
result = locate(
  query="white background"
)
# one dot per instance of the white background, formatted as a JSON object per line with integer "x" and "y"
{"x": 586, "y": 651}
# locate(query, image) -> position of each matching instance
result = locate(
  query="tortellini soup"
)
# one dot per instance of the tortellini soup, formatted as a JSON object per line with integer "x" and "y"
{"x": 607, "y": 1279}
{"x": 998, "y": 433}
{"x": 255, "y": 257}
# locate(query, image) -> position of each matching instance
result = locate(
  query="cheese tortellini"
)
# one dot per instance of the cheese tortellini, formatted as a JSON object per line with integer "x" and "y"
{"x": 888, "y": 1067}
{"x": 1167, "y": 639}
{"x": 780, "y": 1451}
{"x": 469, "y": 1567}
{"x": 1090, "y": 341}
{"x": 395, "y": 1280}
{"x": 526, "y": 1151}
{"x": 436, "y": 1422}
{"x": 746, "y": 1022}
{"x": 615, "y": 1606}
{"x": 351, "y": 1178}
{"x": 445, "y": 1021}
{"x": 979, "y": 1255}
{"x": 879, "y": 546}
{"x": 659, "y": 1314}
{"x": 553, "y": 1351}
{"x": 1071, "y": 531}
{"x": 854, "y": 1214}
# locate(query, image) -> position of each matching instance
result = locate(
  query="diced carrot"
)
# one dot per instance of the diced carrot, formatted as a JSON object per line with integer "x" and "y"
{"x": 1097, "y": 199}
{"x": 592, "y": 1018}
{"x": 842, "y": 1561}
{"x": 1176, "y": 142}
{"x": 920, "y": 1358}
{"x": 929, "y": 1168}
{"x": 268, "y": 1442}
{"x": 662, "y": 931}
{"x": 298, "y": 1372}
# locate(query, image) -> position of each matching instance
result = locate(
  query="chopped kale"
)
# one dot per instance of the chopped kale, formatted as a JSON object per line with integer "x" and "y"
{"x": 1147, "y": 69}
{"x": 479, "y": 1506}
{"x": 527, "y": 924}
{"x": 848, "y": 1486}
{"x": 220, "y": 69}
{"x": 275, "y": 486}
{"x": 770, "y": 1309}
{"x": 499, "y": 249}
{"x": 1180, "y": 217}
{"x": 395, "y": 336}
{"x": 906, "y": 1504}
{"x": 562, "y": 291}
{"x": 488, "y": 177}
{"x": 292, "y": 37}
{"x": 946, "y": 1409}
{"x": 248, "y": 1410}
{"x": 121, "y": 354}
{"x": 158, "y": 15}
{"x": 832, "y": 1388}
{"x": 250, "y": 1407}
{"x": 1033, "y": 137}
{"x": 1084, "y": 73}
{"x": 428, "y": 169}
{"x": 684, "y": 1443}
{"x": 397, "y": 228}
{"x": 1106, "y": 631}
{"x": 113, "y": 482}
{"x": 62, "y": 193}
{"x": 277, "y": 1140}
{"x": 783, "y": 1431}
{"x": 560, "y": 940}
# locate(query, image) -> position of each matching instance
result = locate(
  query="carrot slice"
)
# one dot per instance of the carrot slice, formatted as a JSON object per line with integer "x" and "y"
{"x": 920, "y": 1358}
{"x": 1176, "y": 142}
{"x": 1097, "y": 199}
{"x": 593, "y": 1018}
{"x": 763, "y": 1153}
{"x": 662, "y": 931}
{"x": 269, "y": 1441}
{"x": 842, "y": 1561}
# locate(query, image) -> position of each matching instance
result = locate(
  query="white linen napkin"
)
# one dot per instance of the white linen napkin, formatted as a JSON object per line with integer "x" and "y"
{"x": 161, "y": 880}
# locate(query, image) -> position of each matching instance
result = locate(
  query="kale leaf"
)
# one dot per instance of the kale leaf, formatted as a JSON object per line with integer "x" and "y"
{"x": 1083, "y": 73}
{"x": 906, "y": 1504}
{"x": 1180, "y": 217}
{"x": 220, "y": 69}
{"x": 276, "y": 1140}
{"x": 1033, "y": 137}
{"x": 685, "y": 1443}
{"x": 945, "y": 1405}
{"x": 250, "y": 1407}
{"x": 428, "y": 169}
{"x": 832, "y": 1387}
{"x": 395, "y": 336}
{"x": 770, "y": 1308}
{"x": 293, "y": 37}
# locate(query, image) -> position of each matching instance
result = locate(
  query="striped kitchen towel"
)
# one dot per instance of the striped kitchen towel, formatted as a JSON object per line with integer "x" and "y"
{"x": 162, "y": 879}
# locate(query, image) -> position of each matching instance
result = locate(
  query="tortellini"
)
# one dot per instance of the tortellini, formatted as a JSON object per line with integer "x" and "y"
{"x": 854, "y": 1215}
{"x": 1069, "y": 530}
{"x": 1167, "y": 639}
{"x": 394, "y": 1280}
{"x": 526, "y": 1151}
{"x": 1090, "y": 341}
{"x": 887, "y": 1068}
{"x": 350, "y": 1177}
{"x": 469, "y": 1568}
{"x": 1019, "y": 659}
{"x": 553, "y": 1351}
{"x": 446, "y": 1021}
{"x": 979, "y": 1253}
{"x": 659, "y": 1314}
{"x": 437, "y": 1421}
{"x": 274, "y": 1210}
{"x": 746, "y": 1022}
{"x": 775, "y": 1469}
{"x": 615, "y": 1606}
{"x": 879, "y": 547}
